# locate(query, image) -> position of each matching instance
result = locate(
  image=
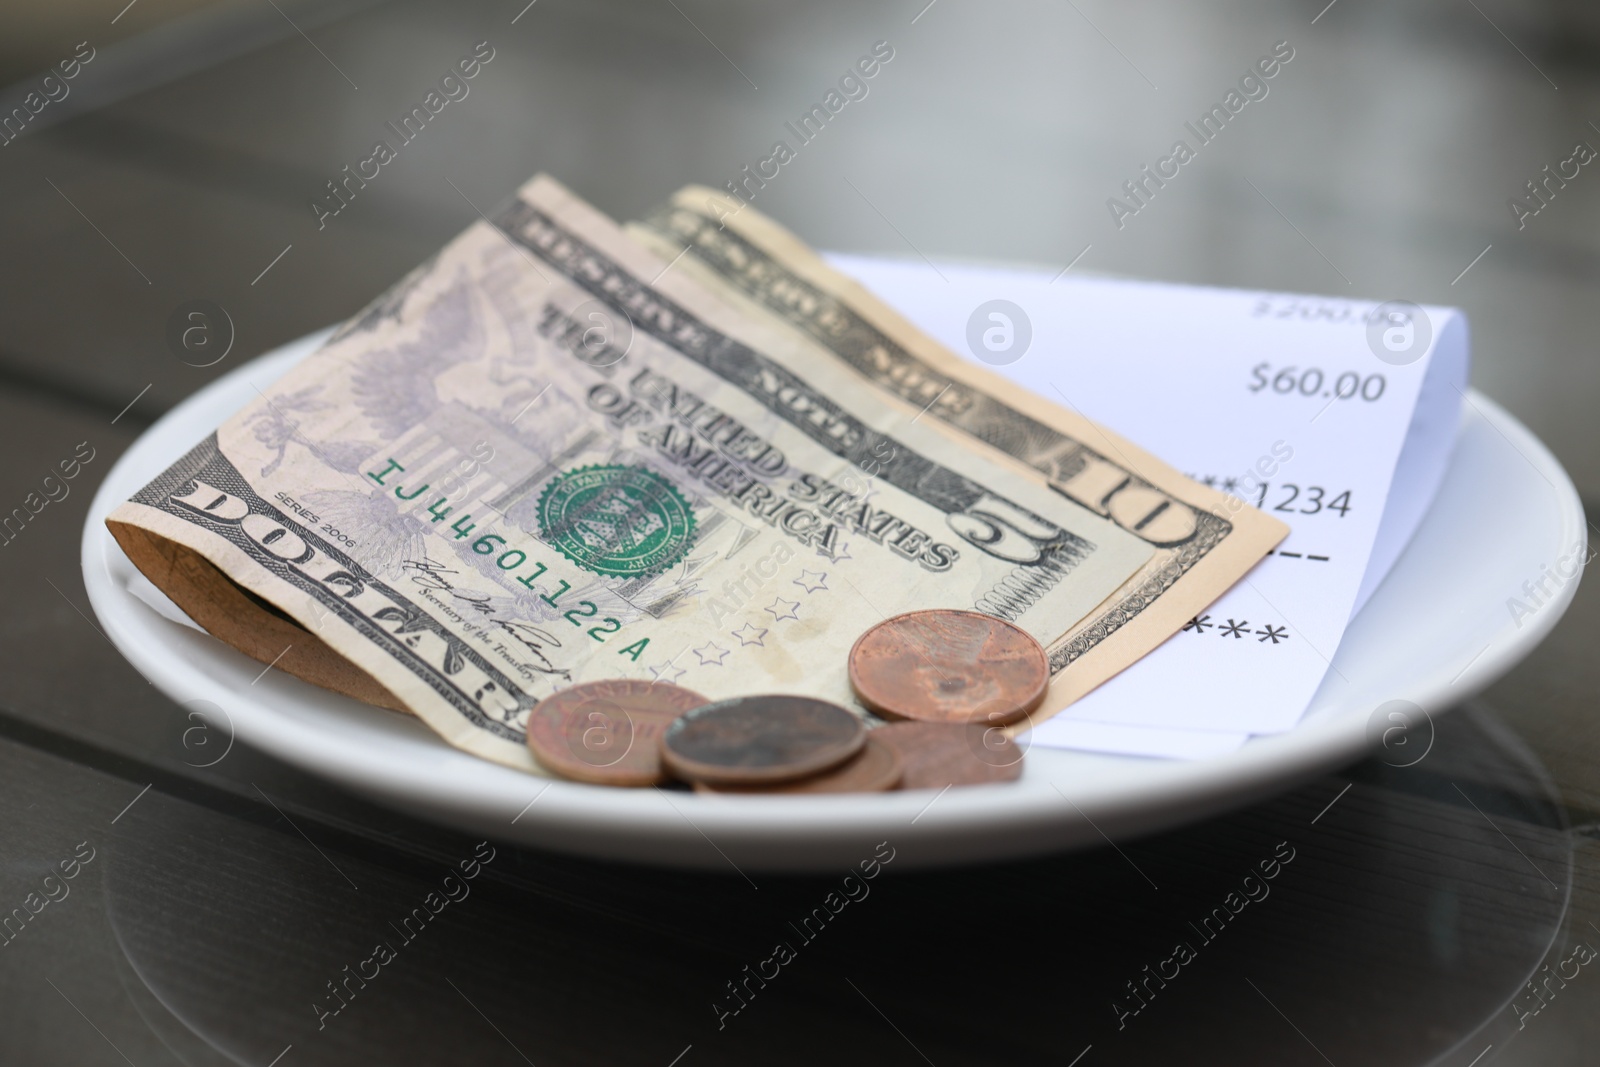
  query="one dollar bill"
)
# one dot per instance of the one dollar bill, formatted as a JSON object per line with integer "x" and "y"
{"x": 545, "y": 457}
{"x": 1201, "y": 541}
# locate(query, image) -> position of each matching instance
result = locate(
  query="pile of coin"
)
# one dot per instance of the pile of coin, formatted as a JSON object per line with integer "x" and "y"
{"x": 949, "y": 681}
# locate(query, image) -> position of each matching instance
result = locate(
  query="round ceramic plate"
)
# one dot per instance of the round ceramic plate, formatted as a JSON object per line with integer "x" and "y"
{"x": 1435, "y": 632}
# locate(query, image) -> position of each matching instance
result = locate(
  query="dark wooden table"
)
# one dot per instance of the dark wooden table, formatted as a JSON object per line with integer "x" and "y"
{"x": 228, "y": 914}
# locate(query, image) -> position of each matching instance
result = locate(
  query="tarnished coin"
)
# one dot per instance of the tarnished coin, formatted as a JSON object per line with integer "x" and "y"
{"x": 949, "y": 666}
{"x": 760, "y": 739}
{"x": 934, "y": 755}
{"x": 872, "y": 770}
{"x": 607, "y": 732}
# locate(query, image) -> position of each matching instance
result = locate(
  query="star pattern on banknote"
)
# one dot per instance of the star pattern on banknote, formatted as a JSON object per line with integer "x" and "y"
{"x": 1273, "y": 633}
{"x": 1235, "y": 629}
{"x": 750, "y": 635}
{"x": 1199, "y": 624}
{"x": 781, "y": 609}
{"x": 666, "y": 672}
{"x": 811, "y": 584}
{"x": 1229, "y": 484}
{"x": 838, "y": 554}
{"x": 711, "y": 654}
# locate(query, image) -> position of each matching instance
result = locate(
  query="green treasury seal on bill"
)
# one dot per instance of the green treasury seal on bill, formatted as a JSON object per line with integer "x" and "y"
{"x": 619, "y": 521}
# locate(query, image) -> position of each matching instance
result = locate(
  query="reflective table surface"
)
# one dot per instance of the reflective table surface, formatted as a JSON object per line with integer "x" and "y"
{"x": 169, "y": 897}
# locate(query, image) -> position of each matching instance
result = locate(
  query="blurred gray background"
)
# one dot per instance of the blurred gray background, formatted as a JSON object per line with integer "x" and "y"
{"x": 1392, "y": 141}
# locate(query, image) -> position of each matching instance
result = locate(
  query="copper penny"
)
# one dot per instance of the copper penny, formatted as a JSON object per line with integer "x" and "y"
{"x": 934, "y": 755}
{"x": 874, "y": 769}
{"x": 949, "y": 666}
{"x": 757, "y": 740}
{"x": 608, "y": 732}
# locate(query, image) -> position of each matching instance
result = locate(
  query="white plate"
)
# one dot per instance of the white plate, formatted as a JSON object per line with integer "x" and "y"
{"x": 1437, "y": 631}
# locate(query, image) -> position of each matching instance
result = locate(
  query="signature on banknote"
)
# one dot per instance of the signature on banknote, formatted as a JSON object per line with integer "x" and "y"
{"x": 528, "y": 660}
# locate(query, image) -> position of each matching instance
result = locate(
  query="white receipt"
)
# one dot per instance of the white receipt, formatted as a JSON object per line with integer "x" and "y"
{"x": 1281, "y": 400}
